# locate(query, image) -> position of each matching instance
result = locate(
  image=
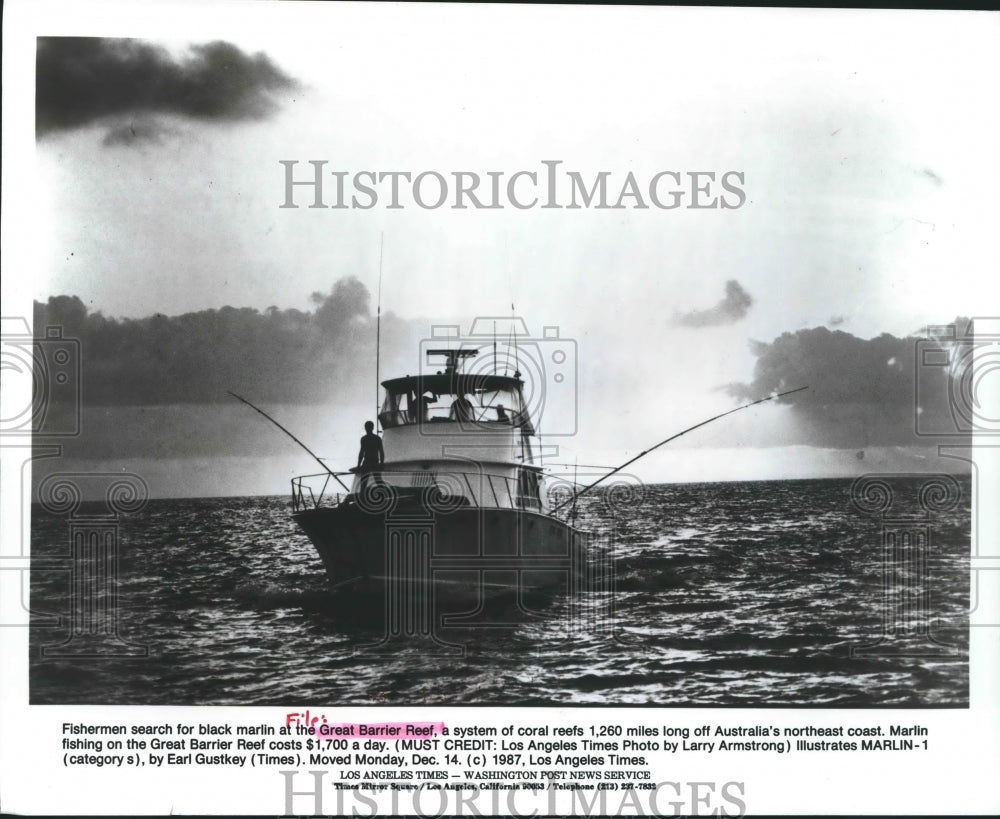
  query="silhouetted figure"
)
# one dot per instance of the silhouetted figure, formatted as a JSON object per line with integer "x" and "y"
{"x": 502, "y": 414}
{"x": 371, "y": 456}
{"x": 424, "y": 402}
{"x": 461, "y": 409}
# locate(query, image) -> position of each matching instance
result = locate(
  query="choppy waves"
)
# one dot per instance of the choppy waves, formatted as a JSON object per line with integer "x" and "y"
{"x": 737, "y": 594}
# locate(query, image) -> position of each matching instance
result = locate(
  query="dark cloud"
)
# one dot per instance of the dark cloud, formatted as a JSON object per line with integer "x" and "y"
{"x": 283, "y": 356}
{"x": 836, "y": 321}
{"x": 731, "y": 309}
{"x": 80, "y": 80}
{"x": 138, "y": 130}
{"x": 862, "y": 392}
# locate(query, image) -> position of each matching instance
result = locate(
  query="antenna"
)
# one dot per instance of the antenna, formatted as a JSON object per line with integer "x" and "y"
{"x": 573, "y": 511}
{"x": 517, "y": 364}
{"x": 378, "y": 327}
{"x": 453, "y": 358}
{"x": 494, "y": 346}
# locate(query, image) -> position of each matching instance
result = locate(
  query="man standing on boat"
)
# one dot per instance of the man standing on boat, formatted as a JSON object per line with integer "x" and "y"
{"x": 371, "y": 455}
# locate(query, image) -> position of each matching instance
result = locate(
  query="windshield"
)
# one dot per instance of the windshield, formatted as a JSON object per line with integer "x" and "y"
{"x": 489, "y": 406}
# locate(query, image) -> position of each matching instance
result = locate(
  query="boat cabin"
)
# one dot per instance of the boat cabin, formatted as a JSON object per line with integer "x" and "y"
{"x": 476, "y": 401}
{"x": 466, "y": 433}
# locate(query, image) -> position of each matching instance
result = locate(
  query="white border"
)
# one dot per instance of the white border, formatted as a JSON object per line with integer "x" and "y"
{"x": 958, "y": 774}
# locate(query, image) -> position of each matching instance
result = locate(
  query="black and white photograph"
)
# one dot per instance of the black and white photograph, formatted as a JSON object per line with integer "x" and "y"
{"x": 580, "y": 363}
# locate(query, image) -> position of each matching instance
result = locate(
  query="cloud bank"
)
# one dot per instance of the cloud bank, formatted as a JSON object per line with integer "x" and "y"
{"x": 285, "y": 356}
{"x": 862, "y": 392}
{"x": 157, "y": 386}
{"x": 731, "y": 309}
{"x": 81, "y": 80}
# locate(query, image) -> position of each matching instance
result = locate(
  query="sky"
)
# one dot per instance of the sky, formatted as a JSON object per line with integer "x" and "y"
{"x": 847, "y": 154}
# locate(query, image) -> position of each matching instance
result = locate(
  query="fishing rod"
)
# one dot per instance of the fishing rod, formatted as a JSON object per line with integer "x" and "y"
{"x": 279, "y": 426}
{"x": 668, "y": 440}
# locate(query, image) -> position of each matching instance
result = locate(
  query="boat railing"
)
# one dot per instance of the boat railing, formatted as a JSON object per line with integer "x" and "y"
{"x": 488, "y": 418}
{"x": 446, "y": 490}
{"x": 312, "y": 491}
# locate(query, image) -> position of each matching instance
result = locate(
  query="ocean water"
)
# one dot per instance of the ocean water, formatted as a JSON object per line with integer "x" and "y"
{"x": 748, "y": 594}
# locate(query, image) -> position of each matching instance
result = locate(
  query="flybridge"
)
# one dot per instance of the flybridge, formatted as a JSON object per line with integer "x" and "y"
{"x": 490, "y": 399}
{"x": 451, "y": 395}
{"x": 452, "y": 357}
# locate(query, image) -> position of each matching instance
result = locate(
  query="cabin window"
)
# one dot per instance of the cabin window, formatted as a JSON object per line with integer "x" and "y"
{"x": 501, "y": 489}
{"x": 492, "y": 406}
{"x": 527, "y": 489}
{"x": 395, "y": 410}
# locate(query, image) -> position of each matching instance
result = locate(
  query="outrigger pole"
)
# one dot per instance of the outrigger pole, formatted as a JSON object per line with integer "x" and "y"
{"x": 279, "y": 426}
{"x": 667, "y": 441}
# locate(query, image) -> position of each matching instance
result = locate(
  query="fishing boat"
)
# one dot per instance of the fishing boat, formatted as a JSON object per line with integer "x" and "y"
{"x": 459, "y": 508}
{"x": 459, "y": 505}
